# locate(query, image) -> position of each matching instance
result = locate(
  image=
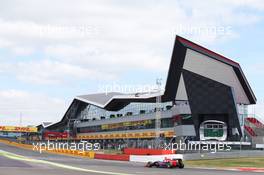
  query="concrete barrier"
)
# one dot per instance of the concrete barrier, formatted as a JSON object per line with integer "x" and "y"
{"x": 20, "y": 145}
{"x": 121, "y": 157}
{"x": 90, "y": 154}
{"x": 152, "y": 158}
{"x": 140, "y": 151}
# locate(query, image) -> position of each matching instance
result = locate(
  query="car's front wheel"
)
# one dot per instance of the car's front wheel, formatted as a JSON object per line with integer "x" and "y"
{"x": 149, "y": 164}
{"x": 181, "y": 164}
{"x": 157, "y": 164}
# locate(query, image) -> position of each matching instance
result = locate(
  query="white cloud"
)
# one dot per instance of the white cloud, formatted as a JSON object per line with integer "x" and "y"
{"x": 51, "y": 72}
{"x": 23, "y": 51}
{"x": 34, "y": 108}
{"x": 255, "y": 4}
{"x": 96, "y": 34}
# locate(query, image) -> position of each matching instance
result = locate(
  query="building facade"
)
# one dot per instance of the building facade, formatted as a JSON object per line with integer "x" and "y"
{"x": 205, "y": 98}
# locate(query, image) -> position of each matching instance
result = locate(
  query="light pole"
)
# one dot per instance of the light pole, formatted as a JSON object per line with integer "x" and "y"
{"x": 20, "y": 125}
{"x": 158, "y": 113}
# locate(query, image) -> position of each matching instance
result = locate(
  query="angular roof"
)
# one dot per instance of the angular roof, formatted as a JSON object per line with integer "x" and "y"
{"x": 99, "y": 99}
{"x": 115, "y": 100}
{"x": 177, "y": 64}
{"x": 44, "y": 124}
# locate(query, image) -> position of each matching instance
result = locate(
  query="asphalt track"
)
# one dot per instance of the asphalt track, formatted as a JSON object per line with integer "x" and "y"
{"x": 16, "y": 161}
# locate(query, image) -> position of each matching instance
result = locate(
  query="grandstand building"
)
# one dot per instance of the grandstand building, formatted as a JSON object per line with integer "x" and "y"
{"x": 205, "y": 98}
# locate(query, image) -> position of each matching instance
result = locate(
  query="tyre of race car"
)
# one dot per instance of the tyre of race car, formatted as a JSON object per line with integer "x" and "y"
{"x": 180, "y": 162}
{"x": 156, "y": 164}
{"x": 149, "y": 164}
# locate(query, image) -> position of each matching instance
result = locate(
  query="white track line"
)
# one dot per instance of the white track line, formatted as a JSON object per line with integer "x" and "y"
{"x": 22, "y": 158}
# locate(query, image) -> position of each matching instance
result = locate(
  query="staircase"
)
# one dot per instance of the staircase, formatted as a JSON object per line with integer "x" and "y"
{"x": 254, "y": 128}
{"x": 250, "y": 131}
{"x": 255, "y": 121}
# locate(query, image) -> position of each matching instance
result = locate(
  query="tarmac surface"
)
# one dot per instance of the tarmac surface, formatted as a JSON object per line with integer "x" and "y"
{"x": 34, "y": 163}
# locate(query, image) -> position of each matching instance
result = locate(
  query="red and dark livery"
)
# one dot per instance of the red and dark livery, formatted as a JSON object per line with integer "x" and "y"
{"x": 167, "y": 163}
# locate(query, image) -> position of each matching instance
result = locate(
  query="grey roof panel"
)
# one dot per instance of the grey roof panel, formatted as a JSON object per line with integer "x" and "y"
{"x": 99, "y": 98}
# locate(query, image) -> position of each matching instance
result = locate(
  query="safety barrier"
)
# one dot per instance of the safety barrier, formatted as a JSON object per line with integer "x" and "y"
{"x": 88, "y": 154}
{"x": 121, "y": 157}
{"x": 25, "y": 146}
{"x": 140, "y": 158}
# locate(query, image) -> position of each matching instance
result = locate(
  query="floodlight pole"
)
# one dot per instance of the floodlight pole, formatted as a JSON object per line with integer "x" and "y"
{"x": 20, "y": 125}
{"x": 158, "y": 114}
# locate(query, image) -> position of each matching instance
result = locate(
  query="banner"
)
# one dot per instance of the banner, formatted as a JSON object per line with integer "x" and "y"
{"x": 18, "y": 129}
{"x": 126, "y": 124}
{"x": 114, "y": 135}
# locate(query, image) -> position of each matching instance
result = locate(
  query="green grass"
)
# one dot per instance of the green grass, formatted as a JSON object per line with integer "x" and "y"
{"x": 232, "y": 162}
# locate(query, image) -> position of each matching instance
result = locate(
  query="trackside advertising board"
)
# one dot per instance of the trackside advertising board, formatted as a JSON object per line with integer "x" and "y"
{"x": 18, "y": 129}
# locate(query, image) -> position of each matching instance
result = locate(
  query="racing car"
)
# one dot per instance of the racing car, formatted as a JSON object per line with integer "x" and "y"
{"x": 166, "y": 163}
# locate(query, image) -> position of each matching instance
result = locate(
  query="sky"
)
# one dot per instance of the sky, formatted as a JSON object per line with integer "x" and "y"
{"x": 54, "y": 50}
